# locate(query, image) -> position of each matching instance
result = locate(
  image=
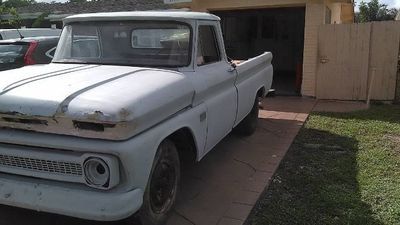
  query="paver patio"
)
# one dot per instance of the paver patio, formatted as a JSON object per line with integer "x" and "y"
{"x": 223, "y": 188}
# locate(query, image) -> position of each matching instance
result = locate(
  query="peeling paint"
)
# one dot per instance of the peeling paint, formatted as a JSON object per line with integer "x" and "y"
{"x": 124, "y": 114}
{"x": 95, "y": 116}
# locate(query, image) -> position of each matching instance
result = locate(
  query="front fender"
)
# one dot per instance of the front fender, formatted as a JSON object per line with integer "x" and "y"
{"x": 136, "y": 155}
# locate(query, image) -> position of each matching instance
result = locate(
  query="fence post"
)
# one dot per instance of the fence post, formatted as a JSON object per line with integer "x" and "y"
{"x": 371, "y": 84}
{"x": 397, "y": 96}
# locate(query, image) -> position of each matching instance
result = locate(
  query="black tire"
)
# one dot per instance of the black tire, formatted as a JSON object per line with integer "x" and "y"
{"x": 162, "y": 188}
{"x": 249, "y": 124}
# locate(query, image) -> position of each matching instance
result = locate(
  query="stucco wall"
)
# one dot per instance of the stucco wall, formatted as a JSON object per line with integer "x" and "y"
{"x": 315, "y": 16}
{"x": 341, "y": 12}
{"x": 347, "y": 13}
{"x": 336, "y": 9}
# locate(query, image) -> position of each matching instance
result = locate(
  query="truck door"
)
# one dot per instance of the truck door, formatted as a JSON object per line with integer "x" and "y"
{"x": 217, "y": 79}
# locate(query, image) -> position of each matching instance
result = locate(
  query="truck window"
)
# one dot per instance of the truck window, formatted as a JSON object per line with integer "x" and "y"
{"x": 50, "y": 53}
{"x": 207, "y": 46}
{"x": 134, "y": 43}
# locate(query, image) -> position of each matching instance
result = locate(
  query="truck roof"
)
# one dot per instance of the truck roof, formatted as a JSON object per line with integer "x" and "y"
{"x": 140, "y": 15}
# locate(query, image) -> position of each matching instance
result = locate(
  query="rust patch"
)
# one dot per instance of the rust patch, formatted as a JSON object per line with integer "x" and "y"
{"x": 96, "y": 115}
{"x": 124, "y": 114}
{"x": 26, "y": 121}
{"x": 13, "y": 113}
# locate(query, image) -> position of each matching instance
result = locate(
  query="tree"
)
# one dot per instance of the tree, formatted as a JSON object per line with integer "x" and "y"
{"x": 374, "y": 11}
{"x": 14, "y": 20}
{"x": 39, "y": 21}
{"x": 17, "y": 3}
{"x": 8, "y": 8}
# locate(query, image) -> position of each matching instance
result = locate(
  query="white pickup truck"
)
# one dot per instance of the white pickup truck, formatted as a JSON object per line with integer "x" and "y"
{"x": 100, "y": 133}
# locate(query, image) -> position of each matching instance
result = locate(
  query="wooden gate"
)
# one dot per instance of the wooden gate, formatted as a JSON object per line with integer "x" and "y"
{"x": 348, "y": 56}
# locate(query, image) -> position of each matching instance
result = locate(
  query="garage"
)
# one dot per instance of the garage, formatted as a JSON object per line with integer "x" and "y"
{"x": 287, "y": 28}
{"x": 249, "y": 33}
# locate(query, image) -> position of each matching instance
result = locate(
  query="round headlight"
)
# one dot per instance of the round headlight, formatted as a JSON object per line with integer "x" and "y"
{"x": 97, "y": 172}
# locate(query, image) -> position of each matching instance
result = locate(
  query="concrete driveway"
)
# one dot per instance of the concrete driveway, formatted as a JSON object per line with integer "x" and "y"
{"x": 223, "y": 188}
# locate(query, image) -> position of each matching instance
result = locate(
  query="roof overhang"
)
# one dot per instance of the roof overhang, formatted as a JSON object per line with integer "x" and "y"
{"x": 210, "y": 4}
{"x": 140, "y": 15}
{"x": 24, "y": 16}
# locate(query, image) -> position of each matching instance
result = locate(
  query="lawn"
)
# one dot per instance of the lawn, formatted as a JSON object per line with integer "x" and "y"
{"x": 343, "y": 168}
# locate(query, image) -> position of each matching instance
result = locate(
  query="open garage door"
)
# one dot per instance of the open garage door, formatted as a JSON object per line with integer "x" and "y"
{"x": 248, "y": 33}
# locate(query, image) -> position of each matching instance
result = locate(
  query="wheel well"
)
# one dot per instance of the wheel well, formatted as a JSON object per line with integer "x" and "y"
{"x": 184, "y": 142}
{"x": 261, "y": 92}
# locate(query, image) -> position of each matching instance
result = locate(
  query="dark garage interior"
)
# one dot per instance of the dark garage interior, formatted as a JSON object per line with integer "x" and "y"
{"x": 248, "y": 33}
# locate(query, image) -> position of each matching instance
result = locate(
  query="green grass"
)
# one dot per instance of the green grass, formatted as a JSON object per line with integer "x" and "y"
{"x": 343, "y": 168}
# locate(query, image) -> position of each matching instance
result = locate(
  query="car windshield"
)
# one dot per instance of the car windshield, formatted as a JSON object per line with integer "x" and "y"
{"x": 136, "y": 43}
{"x": 9, "y": 53}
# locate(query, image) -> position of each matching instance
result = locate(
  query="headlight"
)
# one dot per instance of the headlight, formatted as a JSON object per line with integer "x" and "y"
{"x": 97, "y": 172}
{"x": 100, "y": 171}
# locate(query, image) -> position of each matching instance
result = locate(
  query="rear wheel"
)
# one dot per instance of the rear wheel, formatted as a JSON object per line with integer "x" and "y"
{"x": 249, "y": 124}
{"x": 160, "y": 195}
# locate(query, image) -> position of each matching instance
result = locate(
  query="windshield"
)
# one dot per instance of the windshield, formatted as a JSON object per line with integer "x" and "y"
{"x": 136, "y": 43}
{"x": 9, "y": 53}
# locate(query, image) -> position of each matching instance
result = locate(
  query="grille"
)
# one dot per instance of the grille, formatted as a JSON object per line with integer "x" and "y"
{"x": 39, "y": 165}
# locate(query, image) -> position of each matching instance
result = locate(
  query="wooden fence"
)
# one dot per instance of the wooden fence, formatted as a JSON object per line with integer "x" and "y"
{"x": 358, "y": 61}
{"x": 398, "y": 81}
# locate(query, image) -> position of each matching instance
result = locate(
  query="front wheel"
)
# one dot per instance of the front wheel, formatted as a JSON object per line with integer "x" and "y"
{"x": 249, "y": 124}
{"x": 161, "y": 191}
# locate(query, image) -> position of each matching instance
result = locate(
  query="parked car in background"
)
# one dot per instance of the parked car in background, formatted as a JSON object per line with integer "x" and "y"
{"x": 6, "y": 34}
{"x": 17, "y": 53}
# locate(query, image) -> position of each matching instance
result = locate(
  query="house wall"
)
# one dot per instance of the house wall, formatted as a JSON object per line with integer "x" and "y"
{"x": 341, "y": 12}
{"x": 316, "y": 12}
{"x": 336, "y": 9}
{"x": 347, "y": 13}
{"x": 315, "y": 16}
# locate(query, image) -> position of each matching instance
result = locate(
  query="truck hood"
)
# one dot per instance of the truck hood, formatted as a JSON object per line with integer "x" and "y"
{"x": 91, "y": 100}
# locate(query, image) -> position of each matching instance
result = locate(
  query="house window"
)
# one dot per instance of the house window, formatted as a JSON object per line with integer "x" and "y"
{"x": 207, "y": 46}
